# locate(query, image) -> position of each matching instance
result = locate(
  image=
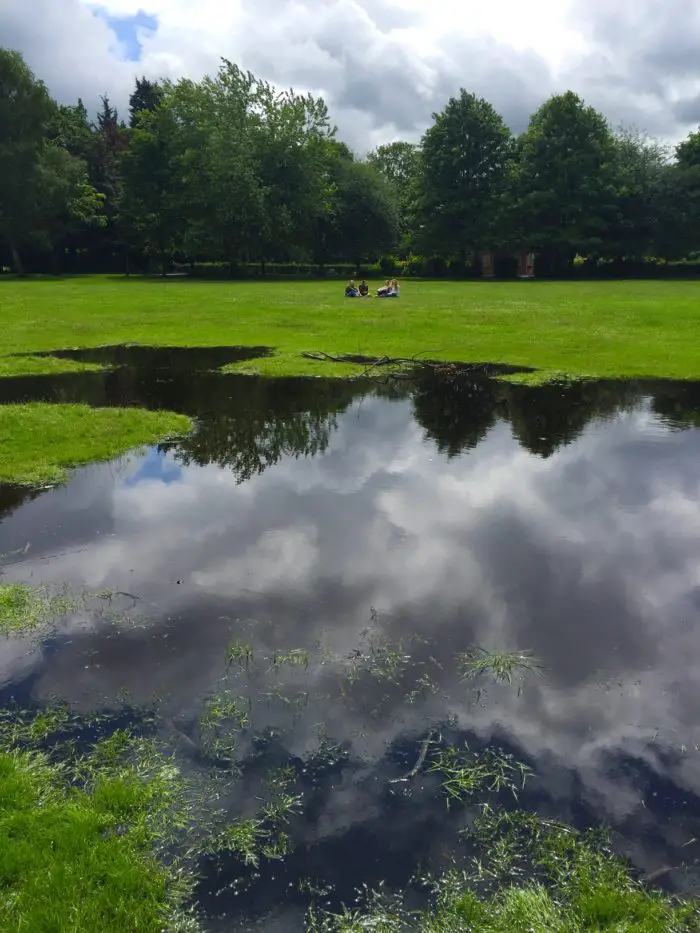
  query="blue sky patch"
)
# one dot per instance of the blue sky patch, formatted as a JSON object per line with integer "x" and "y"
{"x": 156, "y": 465}
{"x": 127, "y": 30}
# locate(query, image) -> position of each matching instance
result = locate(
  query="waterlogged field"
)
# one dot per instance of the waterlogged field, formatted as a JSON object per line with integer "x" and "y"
{"x": 382, "y": 654}
{"x": 628, "y": 328}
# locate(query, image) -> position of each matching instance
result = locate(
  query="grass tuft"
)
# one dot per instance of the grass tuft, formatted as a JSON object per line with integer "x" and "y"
{"x": 502, "y": 666}
{"x": 25, "y": 608}
{"x": 39, "y": 441}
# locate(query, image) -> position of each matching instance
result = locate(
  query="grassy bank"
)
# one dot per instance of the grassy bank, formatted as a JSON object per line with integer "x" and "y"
{"x": 65, "y": 864}
{"x": 627, "y": 328}
{"x": 39, "y": 442}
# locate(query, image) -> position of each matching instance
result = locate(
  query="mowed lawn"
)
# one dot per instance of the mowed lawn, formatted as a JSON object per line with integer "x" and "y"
{"x": 627, "y": 328}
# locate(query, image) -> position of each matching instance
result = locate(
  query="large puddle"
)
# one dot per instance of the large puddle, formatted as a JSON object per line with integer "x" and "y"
{"x": 342, "y": 544}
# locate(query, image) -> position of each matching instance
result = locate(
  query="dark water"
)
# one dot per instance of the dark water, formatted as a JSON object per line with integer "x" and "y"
{"x": 383, "y": 529}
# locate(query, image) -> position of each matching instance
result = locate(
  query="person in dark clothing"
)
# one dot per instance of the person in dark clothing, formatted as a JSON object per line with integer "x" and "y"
{"x": 364, "y": 289}
{"x": 351, "y": 290}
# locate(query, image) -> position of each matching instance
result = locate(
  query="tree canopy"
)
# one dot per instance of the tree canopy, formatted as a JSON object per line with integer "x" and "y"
{"x": 231, "y": 170}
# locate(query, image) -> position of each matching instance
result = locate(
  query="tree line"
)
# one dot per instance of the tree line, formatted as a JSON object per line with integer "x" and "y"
{"x": 231, "y": 171}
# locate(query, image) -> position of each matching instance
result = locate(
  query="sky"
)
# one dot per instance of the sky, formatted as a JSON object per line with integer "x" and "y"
{"x": 383, "y": 66}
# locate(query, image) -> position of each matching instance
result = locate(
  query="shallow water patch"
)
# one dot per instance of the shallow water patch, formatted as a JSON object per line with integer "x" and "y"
{"x": 328, "y": 574}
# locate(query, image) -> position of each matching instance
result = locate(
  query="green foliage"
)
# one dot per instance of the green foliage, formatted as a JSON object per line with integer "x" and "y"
{"x": 530, "y": 876}
{"x": 25, "y": 112}
{"x": 230, "y": 170}
{"x": 23, "y": 608}
{"x": 400, "y": 164}
{"x": 563, "y": 188}
{"x": 145, "y": 98}
{"x": 641, "y": 170}
{"x": 38, "y": 441}
{"x": 363, "y": 216}
{"x": 239, "y": 653}
{"x": 465, "y": 160}
{"x": 58, "y": 847}
{"x": 688, "y": 152}
{"x": 502, "y": 666}
{"x": 466, "y": 773}
{"x": 150, "y": 212}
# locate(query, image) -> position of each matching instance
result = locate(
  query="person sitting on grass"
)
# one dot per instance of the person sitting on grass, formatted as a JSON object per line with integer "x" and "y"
{"x": 390, "y": 290}
{"x": 364, "y": 290}
{"x": 351, "y": 290}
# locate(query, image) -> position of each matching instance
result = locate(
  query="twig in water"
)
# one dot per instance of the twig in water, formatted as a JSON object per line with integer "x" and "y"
{"x": 419, "y": 764}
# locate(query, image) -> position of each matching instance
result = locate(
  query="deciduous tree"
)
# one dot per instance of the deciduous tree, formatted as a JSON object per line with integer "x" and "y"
{"x": 565, "y": 197}
{"x": 25, "y": 114}
{"x": 464, "y": 163}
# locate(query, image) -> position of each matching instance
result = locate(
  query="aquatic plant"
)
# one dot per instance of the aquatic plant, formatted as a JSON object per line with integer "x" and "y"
{"x": 465, "y": 773}
{"x": 529, "y": 876}
{"x": 239, "y": 653}
{"x": 502, "y": 666}
{"x": 257, "y": 836}
{"x": 222, "y": 708}
{"x": 296, "y": 657}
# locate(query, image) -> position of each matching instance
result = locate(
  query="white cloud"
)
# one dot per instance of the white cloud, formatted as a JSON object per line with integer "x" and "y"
{"x": 383, "y": 65}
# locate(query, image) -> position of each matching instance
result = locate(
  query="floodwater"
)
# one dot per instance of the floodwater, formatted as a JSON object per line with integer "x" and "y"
{"x": 356, "y": 538}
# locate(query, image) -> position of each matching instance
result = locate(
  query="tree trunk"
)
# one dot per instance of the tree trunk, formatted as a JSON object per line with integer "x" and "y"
{"x": 17, "y": 260}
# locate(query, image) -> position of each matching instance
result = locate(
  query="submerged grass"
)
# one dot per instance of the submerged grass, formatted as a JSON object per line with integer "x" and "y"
{"x": 111, "y": 837}
{"x": 465, "y": 773}
{"x": 529, "y": 876}
{"x": 38, "y": 442}
{"x": 619, "y": 328}
{"x": 502, "y": 666}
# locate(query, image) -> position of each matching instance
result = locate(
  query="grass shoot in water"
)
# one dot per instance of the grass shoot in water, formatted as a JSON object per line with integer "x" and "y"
{"x": 502, "y": 666}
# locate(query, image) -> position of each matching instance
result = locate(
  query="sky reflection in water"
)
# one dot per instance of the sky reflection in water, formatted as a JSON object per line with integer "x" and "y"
{"x": 434, "y": 517}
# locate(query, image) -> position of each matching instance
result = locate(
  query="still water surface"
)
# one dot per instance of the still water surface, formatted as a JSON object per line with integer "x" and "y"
{"x": 379, "y": 530}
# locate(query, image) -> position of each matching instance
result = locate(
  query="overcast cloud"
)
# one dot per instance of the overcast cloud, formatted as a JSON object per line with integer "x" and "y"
{"x": 383, "y": 65}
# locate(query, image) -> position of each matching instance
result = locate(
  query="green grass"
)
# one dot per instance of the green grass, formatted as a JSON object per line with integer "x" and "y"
{"x": 626, "y": 328}
{"x": 38, "y": 442}
{"x": 538, "y": 877}
{"x": 65, "y": 862}
{"x": 25, "y": 608}
{"x": 501, "y": 666}
{"x": 42, "y": 366}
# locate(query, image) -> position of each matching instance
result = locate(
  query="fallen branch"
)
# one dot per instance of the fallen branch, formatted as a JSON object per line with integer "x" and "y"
{"x": 404, "y": 367}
